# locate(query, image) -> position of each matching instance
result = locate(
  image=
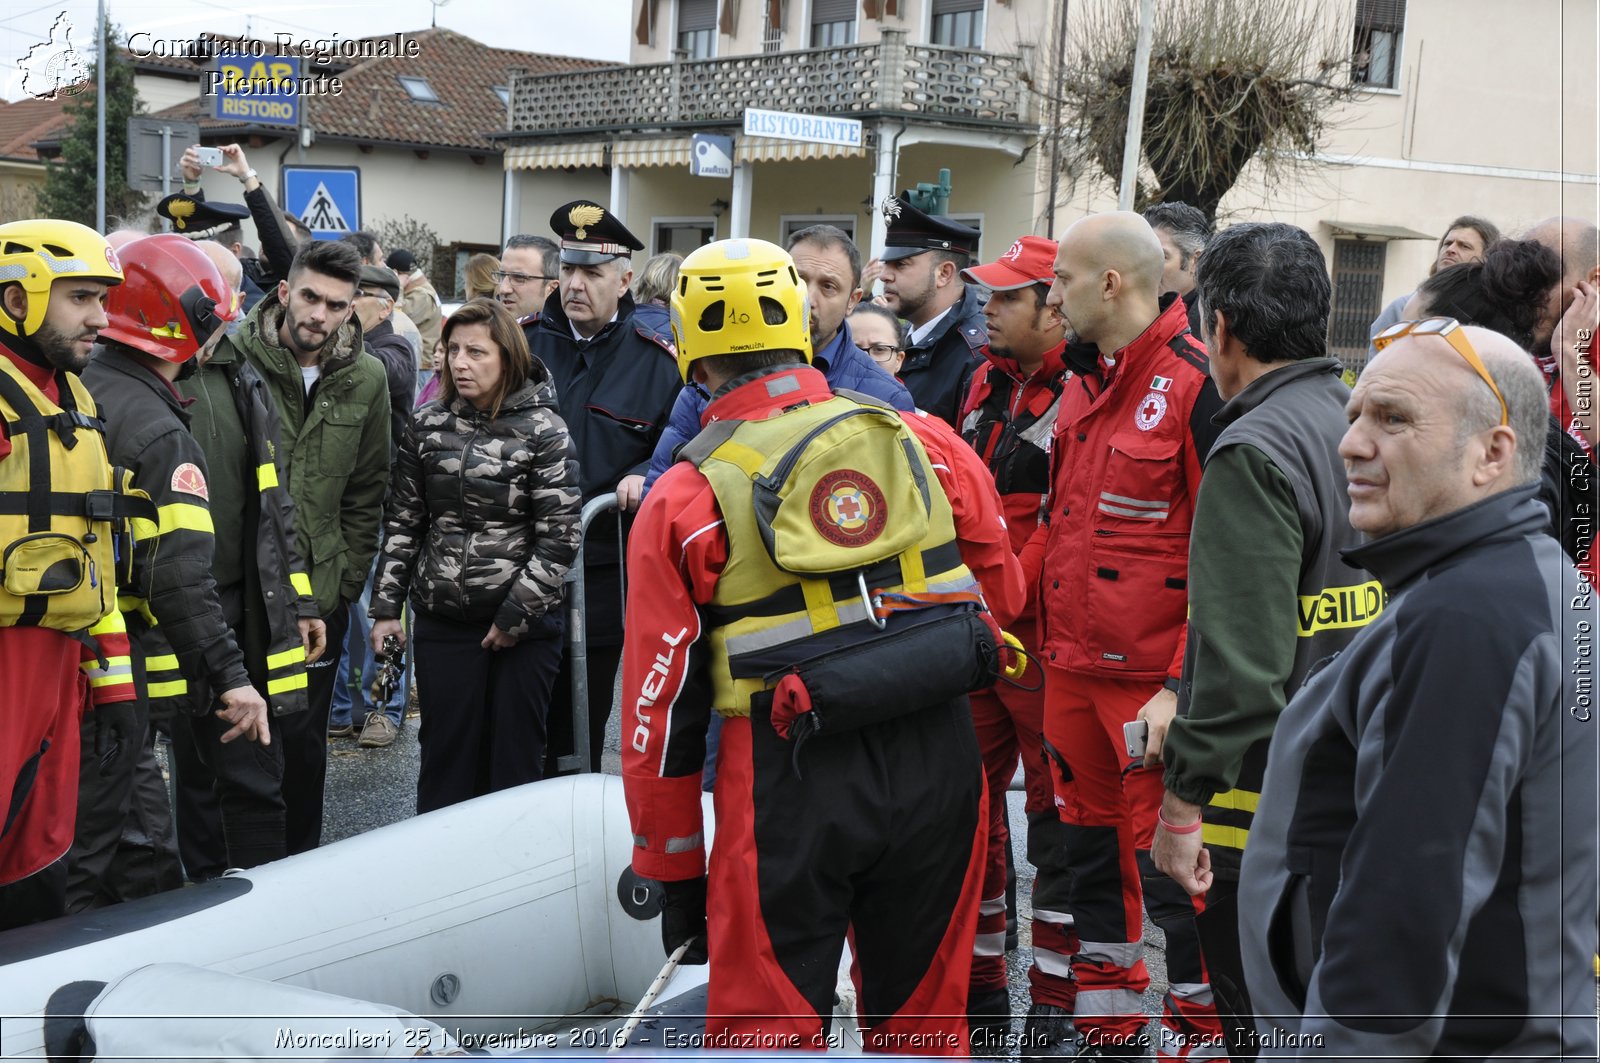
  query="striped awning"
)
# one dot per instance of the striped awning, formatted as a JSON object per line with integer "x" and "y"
{"x": 676, "y": 151}
{"x": 557, "y": 156}
{"x": 665, "y": 151}
{"x": 764, "y": 149}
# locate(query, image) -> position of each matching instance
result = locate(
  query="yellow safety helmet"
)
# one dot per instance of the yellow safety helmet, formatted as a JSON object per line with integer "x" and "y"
{"x": 738, "y": 297}
{"x": 38, "y": 252}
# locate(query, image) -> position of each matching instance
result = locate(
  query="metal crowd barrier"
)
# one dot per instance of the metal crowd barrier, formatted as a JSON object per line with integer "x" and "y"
{"x": 577, "y": 636}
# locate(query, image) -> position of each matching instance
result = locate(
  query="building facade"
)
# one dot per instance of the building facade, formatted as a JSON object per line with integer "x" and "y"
{"x": 1464, "y": 106}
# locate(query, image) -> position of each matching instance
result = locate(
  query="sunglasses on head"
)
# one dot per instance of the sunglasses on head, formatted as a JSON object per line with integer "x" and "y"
{"x": 1449, "y": 330}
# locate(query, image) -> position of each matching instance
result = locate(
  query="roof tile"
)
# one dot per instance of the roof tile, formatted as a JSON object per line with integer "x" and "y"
{"x": 25, "y": 121}
{"x": 374, "y": 106}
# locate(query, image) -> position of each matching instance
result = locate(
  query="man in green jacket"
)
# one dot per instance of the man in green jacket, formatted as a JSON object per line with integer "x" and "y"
{"x": 333, "y": 408}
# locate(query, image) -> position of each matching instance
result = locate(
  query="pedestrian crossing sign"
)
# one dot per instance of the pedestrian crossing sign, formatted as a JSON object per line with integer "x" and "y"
{"x": 326, "y": 199}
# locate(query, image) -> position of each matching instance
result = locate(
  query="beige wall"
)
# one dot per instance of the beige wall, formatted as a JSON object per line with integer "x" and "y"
{"x": 540, "y": 192}
{"x": 159, "y": 93}
{"x": 1005, "y": 25}
{"x": 985, "y": 184}
{"x": 1496, "y": 114}
{"x": 458, "y": 199}
{"x": 20, "y": 184}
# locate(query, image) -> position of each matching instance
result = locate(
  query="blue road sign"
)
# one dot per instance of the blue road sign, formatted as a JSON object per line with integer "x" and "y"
{"x": 326, "y": 199}
{"x": 257, "y": 91}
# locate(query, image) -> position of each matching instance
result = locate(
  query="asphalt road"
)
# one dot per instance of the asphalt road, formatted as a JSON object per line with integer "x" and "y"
{"x": 369, "y": 788}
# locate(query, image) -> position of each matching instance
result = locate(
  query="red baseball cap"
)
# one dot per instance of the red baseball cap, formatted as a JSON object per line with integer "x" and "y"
{"x": 1031, "y": 260}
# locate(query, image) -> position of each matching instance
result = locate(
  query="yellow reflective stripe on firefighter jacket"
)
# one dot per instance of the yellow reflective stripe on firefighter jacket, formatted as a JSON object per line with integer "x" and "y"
{"x": 818, "y": 512}
{"x": 259, "y": 566}
{"x": 64, "y": 511}
{"x": 172, "y": 585}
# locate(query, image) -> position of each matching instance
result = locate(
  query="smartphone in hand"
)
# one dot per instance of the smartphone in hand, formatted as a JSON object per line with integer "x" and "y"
{"x": 1136, "y": 737}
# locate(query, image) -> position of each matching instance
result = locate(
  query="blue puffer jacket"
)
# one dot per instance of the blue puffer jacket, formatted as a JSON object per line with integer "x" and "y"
{"x": 844, "y": 364}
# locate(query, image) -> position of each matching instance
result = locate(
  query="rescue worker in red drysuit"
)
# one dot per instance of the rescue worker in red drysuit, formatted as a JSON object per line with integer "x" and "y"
{"x": 65, "y": 648}
{"x": 875, "y": 827}
{"x": 1008, "y": 417}
{"x": 1111, "y": 564}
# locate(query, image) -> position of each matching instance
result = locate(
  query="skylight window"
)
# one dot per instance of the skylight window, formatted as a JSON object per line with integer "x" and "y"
{"x": 419, "y": 89}
{"x": 504, "y": 94}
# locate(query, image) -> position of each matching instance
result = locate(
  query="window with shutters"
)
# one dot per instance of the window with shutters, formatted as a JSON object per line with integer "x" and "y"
{"x": 1357, "y": 298}
{"x": 1375, "y": 57}
{"x": 697, "y": 28}
{"x": 957, "y": 23}
{"x": 833, "y": 23}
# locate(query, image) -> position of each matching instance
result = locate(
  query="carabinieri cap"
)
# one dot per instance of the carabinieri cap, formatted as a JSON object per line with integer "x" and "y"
{"x": 590, "y": 234}
{"x": 911, "y": 232}
{"x": 199, "y": 219}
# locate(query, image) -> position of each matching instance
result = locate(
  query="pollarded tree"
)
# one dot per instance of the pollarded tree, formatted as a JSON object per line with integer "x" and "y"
{"x": 1230, "y": 81}
{"x": 407, "y": 232}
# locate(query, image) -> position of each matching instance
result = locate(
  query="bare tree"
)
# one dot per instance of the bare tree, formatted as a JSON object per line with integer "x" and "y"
{"x": 1230, "y": 81}
{"x": 407, "y": 232}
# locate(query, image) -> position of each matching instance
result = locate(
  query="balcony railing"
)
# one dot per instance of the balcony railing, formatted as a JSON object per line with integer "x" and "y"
{"x": 890, "y": 77}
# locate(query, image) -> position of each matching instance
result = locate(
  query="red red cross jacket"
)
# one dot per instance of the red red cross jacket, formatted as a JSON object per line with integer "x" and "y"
{"x": 676, "y": 551}
{"x": 1111, "y": 561}
{"x": 1010, "y": 420}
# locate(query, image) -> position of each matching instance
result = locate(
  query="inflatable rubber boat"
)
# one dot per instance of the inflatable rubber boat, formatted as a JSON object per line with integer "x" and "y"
{"x": 512, "y": 923}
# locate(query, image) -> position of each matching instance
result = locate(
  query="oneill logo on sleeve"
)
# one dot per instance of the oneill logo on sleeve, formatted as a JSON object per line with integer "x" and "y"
{"x": 650, "y": 690}
{"x": 1341, "y": 607}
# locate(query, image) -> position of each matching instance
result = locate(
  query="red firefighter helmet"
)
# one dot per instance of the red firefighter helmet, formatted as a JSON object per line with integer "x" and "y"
{"x": 171, "y": 300}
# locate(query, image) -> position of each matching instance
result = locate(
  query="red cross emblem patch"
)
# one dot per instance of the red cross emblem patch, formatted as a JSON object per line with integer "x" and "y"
{"x": 847, "y": 508}
{"x": 1150, "y": 412}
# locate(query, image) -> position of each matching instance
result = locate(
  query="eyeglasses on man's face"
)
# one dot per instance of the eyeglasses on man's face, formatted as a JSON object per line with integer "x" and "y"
{"x": 499, "y": 276}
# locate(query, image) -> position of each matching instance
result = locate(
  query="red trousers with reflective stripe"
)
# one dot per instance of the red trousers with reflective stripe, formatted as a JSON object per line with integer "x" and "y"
{"x": 881, "y": 838}
{"x": 1010, "y": 722}
{"x": 1109, "y": 804}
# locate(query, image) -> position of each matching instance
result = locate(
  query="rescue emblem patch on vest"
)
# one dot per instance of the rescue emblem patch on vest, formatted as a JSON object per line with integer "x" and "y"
{"x": 847, "y": 508}
{"x": 188, "y": 479}
{"x": 1150, "y": 411}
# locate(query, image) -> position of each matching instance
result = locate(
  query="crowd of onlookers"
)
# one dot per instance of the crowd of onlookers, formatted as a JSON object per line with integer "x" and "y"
{"x": 325, "y": 474}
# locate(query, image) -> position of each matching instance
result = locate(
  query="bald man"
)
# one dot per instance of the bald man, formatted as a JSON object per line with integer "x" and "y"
{"x": 227, "y": 263}
{"x": 1420, "y": 876}
{"x": 119, "y": 237}
{"x": 1111, "y": 561}
{"x": 229, "y": 806}
{"x": 1565, "y": 336}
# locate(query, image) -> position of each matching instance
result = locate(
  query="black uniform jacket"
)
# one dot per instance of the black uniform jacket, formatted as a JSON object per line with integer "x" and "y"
{"x": 616, "y": 393}
{"x": 938, "y": 370}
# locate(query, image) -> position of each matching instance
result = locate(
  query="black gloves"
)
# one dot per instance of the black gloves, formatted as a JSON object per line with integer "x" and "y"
{"x": 683, "y": 916}
{"x": 117, "y": 732}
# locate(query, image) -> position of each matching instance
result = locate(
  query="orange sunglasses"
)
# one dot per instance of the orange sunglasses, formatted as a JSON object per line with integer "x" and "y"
{"x": 1449, "y": 330}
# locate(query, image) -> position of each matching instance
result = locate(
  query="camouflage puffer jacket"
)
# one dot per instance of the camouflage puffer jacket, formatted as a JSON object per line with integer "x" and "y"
{"x": 482, "y": 521}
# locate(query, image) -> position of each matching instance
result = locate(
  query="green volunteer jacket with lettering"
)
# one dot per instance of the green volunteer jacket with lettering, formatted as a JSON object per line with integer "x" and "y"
{"x": 175, "y": 618}
{"x": 1269, "y": 595}
{"x": 336, "y": 444}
